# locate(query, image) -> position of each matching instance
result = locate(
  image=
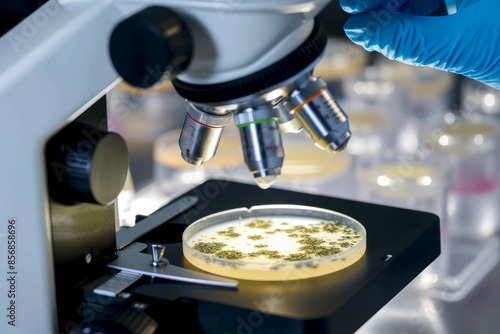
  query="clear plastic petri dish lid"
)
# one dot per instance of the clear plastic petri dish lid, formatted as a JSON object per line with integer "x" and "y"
{"x": 404, "y": 182}
{"x": 466, "y": 137}
{"x": 274, "y": 242}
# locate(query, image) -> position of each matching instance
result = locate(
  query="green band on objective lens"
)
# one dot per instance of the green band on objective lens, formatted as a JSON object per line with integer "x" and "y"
{"x": 259, "y": 121}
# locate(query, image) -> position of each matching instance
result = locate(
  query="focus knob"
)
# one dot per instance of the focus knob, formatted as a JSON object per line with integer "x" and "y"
{"x": 85, "y": 164}
{"x": 151, "y": 46}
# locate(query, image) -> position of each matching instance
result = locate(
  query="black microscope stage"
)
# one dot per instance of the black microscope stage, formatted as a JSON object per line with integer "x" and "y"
{"x": 401, "y": 243}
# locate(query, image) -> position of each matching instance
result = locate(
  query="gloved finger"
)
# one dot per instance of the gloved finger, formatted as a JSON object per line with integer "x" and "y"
{"x": 358, "y": 6}
{"x": 407, "y": 38}
{"x": 442, "y": 42}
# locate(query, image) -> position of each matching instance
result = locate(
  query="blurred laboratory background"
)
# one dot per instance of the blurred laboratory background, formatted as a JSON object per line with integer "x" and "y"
{"x": 422, "y": 139}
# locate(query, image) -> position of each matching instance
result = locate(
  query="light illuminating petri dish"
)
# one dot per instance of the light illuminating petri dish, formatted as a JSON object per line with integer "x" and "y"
{"x": 274, "y": 242}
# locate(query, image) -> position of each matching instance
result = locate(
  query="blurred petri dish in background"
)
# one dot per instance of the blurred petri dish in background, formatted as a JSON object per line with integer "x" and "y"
{"x": 417, "y": 181}
{"x": 467, "y": 137}
{"x": 427, "y": 88}
{"x": 420, "y": 92}
{"x": 373, "y": 94}
{"x": 411, "y": 181}
{"x": 402, "y": 185}
{"x": 274, "y": 242}
{"x": 373, "y": 86}
{"x": 372, "y": 129}
{"x": 309, "y": 169}
{"x": 304, "y": 162}
{"x": 471, "y": 147}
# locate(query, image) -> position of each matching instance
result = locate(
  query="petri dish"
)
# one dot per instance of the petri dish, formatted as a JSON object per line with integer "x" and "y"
{"x": 274, "y": 242}
{"x": 467, "y": 137}
{"x": 402, "y": 182}
{"x": 371, "y": 130}
{"x": 305, "y": 162}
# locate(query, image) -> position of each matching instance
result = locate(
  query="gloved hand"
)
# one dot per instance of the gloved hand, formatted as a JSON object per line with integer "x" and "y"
{"x": 467, "y": 42}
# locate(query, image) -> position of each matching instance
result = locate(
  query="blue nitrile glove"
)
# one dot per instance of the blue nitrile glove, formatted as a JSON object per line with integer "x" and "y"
{"x": 467, "y": 42}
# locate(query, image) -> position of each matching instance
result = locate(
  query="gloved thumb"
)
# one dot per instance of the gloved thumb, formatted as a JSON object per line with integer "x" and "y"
{"x": 466, "y": 43}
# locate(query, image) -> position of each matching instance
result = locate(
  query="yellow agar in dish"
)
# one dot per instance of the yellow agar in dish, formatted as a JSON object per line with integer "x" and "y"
{"x": 251, "y": 244}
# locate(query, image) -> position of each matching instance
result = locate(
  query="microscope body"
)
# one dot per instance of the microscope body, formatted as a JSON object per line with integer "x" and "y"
{"x": 55, "y": 71}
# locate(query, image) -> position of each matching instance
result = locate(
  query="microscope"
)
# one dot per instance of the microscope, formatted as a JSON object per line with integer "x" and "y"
{"x": 68, "y": 267}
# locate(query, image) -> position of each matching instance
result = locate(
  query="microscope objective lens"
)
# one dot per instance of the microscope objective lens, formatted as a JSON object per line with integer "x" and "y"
{"x": 261, "y": 143}
{"x": 201, "y": 134}
{"x": 317, "y": 110}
